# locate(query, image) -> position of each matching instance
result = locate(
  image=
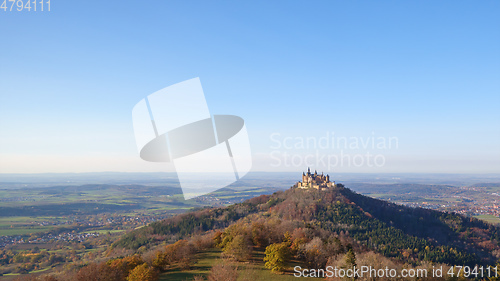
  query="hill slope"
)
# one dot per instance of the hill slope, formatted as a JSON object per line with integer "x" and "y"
{"x": 408, "y": 234}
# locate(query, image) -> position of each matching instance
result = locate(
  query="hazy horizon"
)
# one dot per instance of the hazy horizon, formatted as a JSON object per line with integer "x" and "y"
{"x": 282, "y": 179}
{"x": 380, "y": 87}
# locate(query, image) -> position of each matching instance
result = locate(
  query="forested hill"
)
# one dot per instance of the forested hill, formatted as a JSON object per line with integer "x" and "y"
{"x": 408, "y": 234}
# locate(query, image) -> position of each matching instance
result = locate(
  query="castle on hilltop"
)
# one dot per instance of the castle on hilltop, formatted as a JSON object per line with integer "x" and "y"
{"x": 320, "y": 182}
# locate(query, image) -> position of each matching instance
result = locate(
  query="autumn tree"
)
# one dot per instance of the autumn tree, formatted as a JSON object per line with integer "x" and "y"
{"x": 223, "y": 272}
{"x": 239, "y": 248}
{"x": 160, "y": 260}
{"x": 277, "y": 256}
{"x": 179, "y": 254}
{"x": 99, "y": 272}
{"x": 259, "y": 235}
{"x": 143, "y": 272}
{"x": 126, "y": 265}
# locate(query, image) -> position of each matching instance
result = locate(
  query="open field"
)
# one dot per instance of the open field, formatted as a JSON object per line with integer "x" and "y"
{"x": 25, "y": 211}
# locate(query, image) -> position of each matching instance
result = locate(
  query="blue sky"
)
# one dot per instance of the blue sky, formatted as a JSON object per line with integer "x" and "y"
{"x": 424, "y": 72}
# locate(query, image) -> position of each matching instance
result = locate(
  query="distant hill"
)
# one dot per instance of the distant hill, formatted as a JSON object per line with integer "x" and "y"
{"x": 407, "y": 234}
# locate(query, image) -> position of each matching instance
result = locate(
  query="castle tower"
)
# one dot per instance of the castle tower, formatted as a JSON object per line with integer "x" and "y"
{"x": 315, "y": 181}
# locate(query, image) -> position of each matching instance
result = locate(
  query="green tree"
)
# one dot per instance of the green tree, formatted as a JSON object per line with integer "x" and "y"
{"x": 350, "y": 258}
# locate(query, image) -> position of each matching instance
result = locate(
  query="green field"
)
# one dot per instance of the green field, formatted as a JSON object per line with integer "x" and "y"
{"x": 103, "y": 231}
{"x": 21, "y": 225}
{"x": 23, "y": 210}
{"x": 489, "y": 218}
{"x": 22, "y": 231}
